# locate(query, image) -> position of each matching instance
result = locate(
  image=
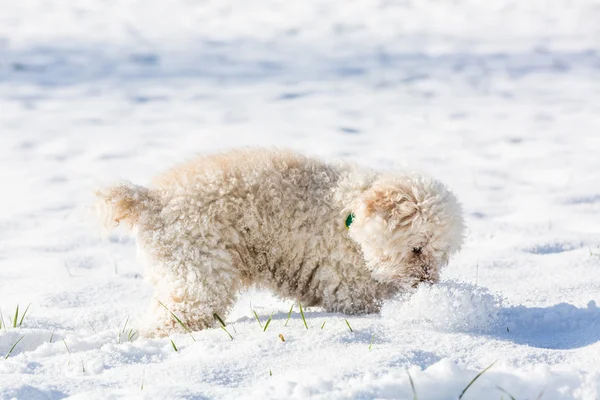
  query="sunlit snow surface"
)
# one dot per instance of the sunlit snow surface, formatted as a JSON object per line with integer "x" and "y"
{"x": 499, "y": 99}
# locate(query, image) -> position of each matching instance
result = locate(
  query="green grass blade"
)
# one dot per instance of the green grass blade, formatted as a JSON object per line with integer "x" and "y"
{"x": 227, "y": 332}
{"x": 323, "y": 326}
{"x": 69, "y": 351}
{"x": 506, "y": 393}
{"x": 219, "y": 319}
{"x": 412, "y": 385}
{"x": 51, "y": 336}
{"x": 257, "y": 319}
{"x": 13, "y": 347}
{"x": 474, "y": 379}
{"x": 178, "y": 321}
{"x": 267, "y": 323}
{"x": 125, "y": 324}
{"x": 302, "y": 314}
{"x": 348, "y": 323}
{"x": 131, "y": 335}
{"x": 14, "y": 321}
{"x": 173, "y": 344}
{"x": 289, "y": 315}
{"x": 24, "y": 314}
{"x": 371, "y": 344}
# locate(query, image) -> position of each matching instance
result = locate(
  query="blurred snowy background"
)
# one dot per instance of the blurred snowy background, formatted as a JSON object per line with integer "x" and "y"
{"x": 500, "y": 99}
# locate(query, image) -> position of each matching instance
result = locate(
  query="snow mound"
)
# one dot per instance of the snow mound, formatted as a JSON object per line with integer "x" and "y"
{"x": 448, "y": 306}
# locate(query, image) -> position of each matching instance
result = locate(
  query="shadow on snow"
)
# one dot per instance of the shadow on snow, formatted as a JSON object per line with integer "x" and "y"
{"x": 249, "y": 61}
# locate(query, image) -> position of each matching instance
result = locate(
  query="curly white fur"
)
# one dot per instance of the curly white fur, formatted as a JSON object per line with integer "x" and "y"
{"x": 276, "y": 219}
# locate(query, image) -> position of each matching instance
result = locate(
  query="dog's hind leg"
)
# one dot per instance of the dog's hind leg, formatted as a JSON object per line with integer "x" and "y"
{"x": 193, "y": 295}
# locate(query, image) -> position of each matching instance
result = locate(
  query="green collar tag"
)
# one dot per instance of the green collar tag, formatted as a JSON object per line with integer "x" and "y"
{"x": 349, "y": 220}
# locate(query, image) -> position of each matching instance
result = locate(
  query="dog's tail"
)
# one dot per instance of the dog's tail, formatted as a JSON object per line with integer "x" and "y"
{"x": 125, "y": 202}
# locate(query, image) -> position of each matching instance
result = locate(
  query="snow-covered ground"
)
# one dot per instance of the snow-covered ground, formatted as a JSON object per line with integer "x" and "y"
{"x": 498, "y": 98}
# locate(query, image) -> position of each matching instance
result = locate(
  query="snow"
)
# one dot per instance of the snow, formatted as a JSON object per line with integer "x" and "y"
{"x": 499, "y": 99}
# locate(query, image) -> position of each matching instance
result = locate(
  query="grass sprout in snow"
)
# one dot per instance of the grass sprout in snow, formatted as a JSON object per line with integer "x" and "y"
{"x": 474, "y": 379}
{"x": 15, "y": 321}
{"x": 267, "y": 323}
{"x": 131, "y": 335}
{"x": 506, "y": 393}
{"x": 289, "y": 315}
{"x": 184, "y": 326}
{"x": 68, "y": 350}
{"x": 264, "y": 328}
{"x": 349, "y": 327}
{"x": 24, "y": 314}
{"x": 218, "y": 318}
{"x": 13, "y": 347}
{"x": 257, "y": 319}
{"x": 302, "y": 314}
{"x": 412, "y": 385}
{"x": 227, "y": 332}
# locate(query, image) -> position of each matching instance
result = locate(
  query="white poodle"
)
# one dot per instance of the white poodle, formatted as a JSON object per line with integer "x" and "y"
{"x": 337, "y": 236}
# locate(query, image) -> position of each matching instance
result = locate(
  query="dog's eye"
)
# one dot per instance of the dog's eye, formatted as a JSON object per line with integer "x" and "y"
{"x": 349, "y": 220}
{"x": 417, "y": 250}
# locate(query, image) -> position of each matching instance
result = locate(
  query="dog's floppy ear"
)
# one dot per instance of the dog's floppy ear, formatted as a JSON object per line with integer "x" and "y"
{"x": 397, "y": 205}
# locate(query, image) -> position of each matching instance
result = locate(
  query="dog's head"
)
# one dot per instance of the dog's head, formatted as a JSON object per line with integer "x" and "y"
{"x": 407, "y": 227}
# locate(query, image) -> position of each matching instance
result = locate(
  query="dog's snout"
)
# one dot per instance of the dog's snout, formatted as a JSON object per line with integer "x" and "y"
{"x": 425, "y": 278}
{"x": 428, "y": 275}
